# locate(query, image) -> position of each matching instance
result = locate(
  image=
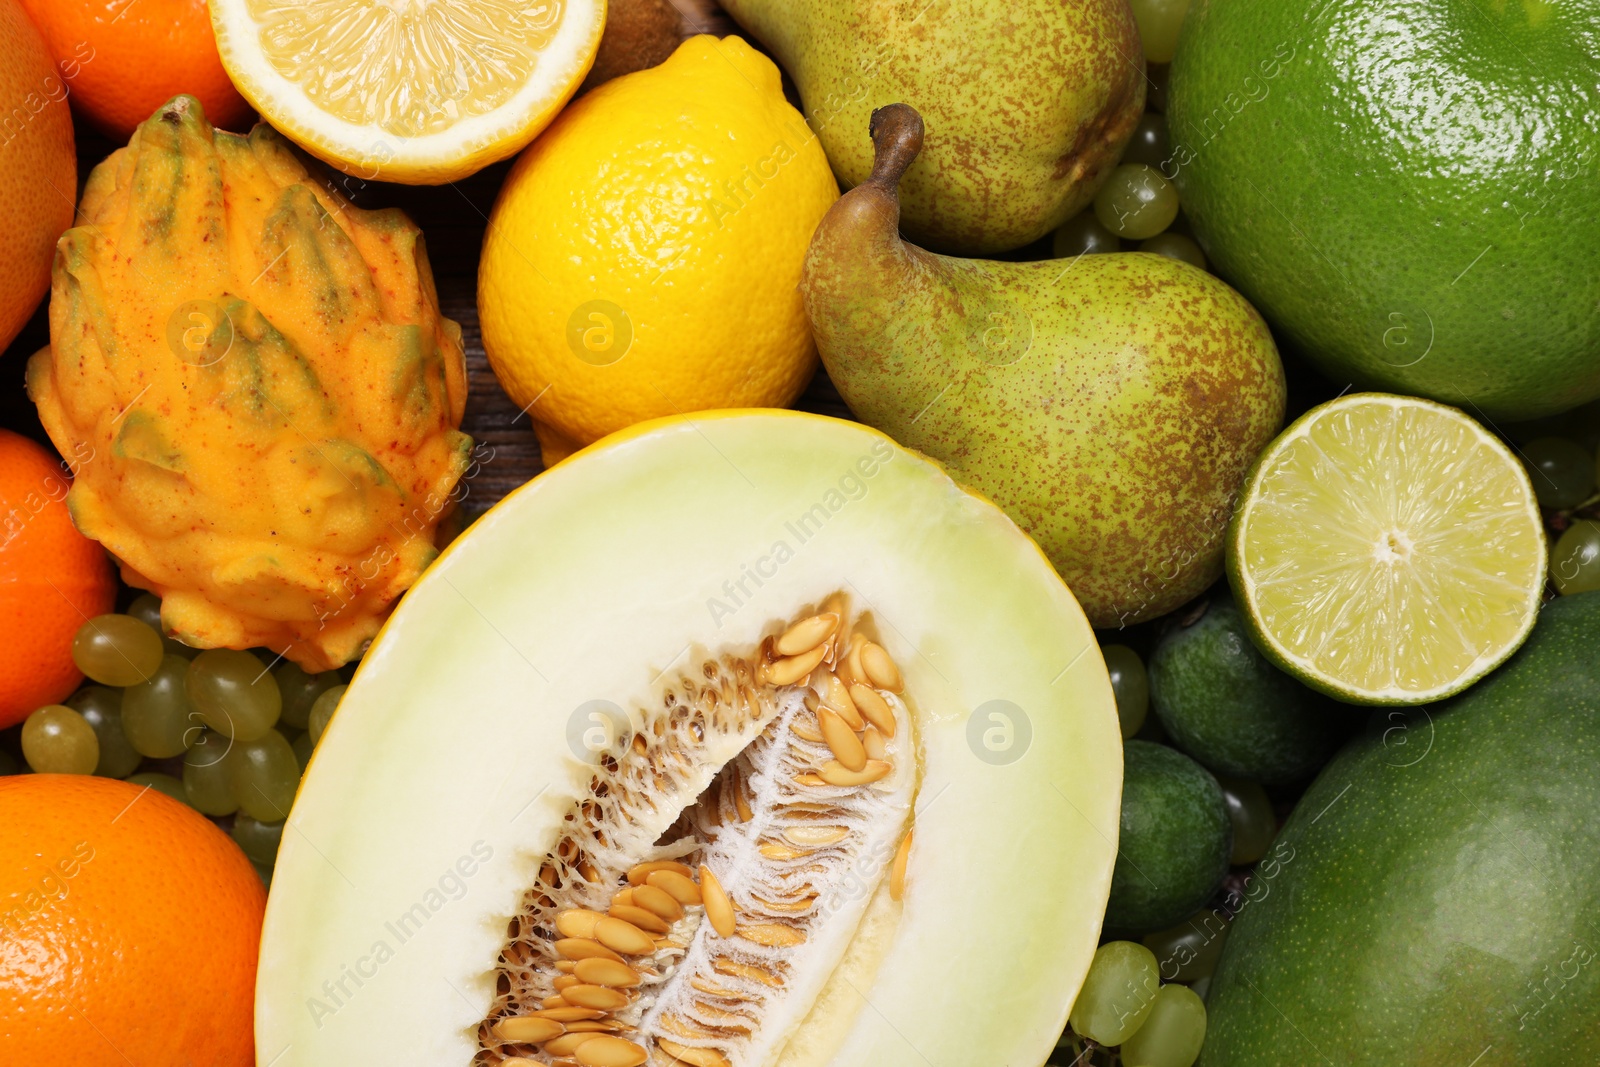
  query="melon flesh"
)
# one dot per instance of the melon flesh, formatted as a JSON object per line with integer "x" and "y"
{"x": 640, "y": 567}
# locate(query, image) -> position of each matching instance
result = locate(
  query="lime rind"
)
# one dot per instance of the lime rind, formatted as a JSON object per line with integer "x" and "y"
{"x": 1387, "y": 550}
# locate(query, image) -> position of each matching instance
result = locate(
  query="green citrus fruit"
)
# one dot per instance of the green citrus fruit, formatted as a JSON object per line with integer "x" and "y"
{"x": 1406, "y": 191}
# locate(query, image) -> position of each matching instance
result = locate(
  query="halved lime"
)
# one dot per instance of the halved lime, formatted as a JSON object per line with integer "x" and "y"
{"x": 1387, "y": 550}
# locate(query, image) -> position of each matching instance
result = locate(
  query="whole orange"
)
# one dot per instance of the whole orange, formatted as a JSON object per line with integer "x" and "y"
{"x": 122, "y": 59}
{"x": 131, "y": 925}
{"x": 52, "y": 578}
{"x": 38, "y": 168}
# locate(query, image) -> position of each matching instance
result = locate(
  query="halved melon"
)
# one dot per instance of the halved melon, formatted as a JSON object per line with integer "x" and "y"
{"x": 747, "y": 738}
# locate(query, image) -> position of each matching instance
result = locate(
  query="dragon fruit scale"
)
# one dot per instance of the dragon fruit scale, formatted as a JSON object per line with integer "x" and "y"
{"x": 260, "y": 375}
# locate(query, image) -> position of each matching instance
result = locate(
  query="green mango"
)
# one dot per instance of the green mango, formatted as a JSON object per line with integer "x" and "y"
{"x": 1434, "y": 900}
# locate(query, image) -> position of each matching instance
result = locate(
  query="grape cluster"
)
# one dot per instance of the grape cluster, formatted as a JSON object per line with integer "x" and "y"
{"x": 226, "y": 732}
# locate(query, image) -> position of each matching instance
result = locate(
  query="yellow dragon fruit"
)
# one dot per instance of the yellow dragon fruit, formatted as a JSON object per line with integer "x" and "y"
{"x": 262, "y": 381}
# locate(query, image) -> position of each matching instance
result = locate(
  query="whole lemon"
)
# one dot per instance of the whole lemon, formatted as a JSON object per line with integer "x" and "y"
{"x": 644, "y": 256}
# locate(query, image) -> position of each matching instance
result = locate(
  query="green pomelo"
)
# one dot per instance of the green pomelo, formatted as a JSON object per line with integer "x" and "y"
{"x": 1223, "y": 703}
{"x": 1406, "y": 191}
{"x": 1435, "y": 898}
{"x": 1176, "y": 839}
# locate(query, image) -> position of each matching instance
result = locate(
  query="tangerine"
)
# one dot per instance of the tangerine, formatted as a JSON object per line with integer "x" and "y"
{"x": 122, "y": 59}
{"x": 38, "y": 168}
{"x": 52, "y": 578}
{"x": 130, "y": 928}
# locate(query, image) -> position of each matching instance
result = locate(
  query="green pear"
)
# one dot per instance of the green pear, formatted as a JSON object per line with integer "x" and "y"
{"x": 1111, "y": 404}
{"x": 1069, "y": 79}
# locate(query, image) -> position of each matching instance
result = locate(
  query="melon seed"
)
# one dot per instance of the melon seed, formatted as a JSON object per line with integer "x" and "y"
{"x": 695, "y": 1057}
{"x": 723, "y": 965}
{"x": 592, "y": 1026}
{"x": 658, "y": 902}
{"x": 603, "y": 972}
{"x": 644, "y": 919}
{"x": 610, "y": 1052}
{"x": 872, "y": 741}
{"x": 897, "y": 873}
{"x": 680, "y": 887}
{"x": 842, "y": 741}
{"x": 806, "y": 634}
{"x": 597, "y": 997}
{"x": 570, "y": 980}
{"x": 622, "y": 936}
{"x": 639, "y": 872}
{"x": 791, "y": 670}
{"x": 624, "y": 896}
{"x": 556, "y": 1001}
{"x": 836, "y": 773}
{"x": 874, "y": 707}
{"x": 524, "y": 1030}
{"x": 581, "y": 948}
{"x": 816, "y": 836}
{"x": 880, "y": 669}
{"x": 719, "y": 909}
{"x": 565, "y": 1045}
{"x": 577, "y": 922}
{"x": 836, "y": 695}
{"x": 566, "y": 1015}
{"x": 772, "y": 935}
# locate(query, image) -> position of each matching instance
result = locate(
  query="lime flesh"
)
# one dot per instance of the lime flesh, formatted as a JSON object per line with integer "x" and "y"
{"x": 1387, "y": 550}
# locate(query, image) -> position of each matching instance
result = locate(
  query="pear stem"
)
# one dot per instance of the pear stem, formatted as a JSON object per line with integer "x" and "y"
{"x": 896, "y": 139}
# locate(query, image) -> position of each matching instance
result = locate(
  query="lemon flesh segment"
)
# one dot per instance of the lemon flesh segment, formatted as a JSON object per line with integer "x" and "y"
{"x": 1389, "y": 550}
{"x": 409, "y": 90}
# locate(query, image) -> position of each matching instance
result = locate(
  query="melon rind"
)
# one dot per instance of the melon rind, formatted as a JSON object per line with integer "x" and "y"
{"x": 444, "y": 775}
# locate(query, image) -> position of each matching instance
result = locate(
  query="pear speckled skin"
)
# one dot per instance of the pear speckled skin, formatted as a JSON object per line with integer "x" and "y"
{"x": 266, "y": 395}
{"x": 1000, "y": 170}
{"x": 1111, "y": 404}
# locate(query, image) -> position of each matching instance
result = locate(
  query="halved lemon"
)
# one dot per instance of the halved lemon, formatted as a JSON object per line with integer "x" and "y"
{"x": 418, "y": 91}
{"x": 1387, "y": 550}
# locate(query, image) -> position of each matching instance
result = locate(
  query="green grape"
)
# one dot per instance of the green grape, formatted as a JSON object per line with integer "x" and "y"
{"x": 147, "y": 609}
{"x": 1575, "y": 561}
{"x": 302, "y": 746}
{"x": 8, "y": 763}
{"x": 263, "y": 775}
{"x": 1149, "y": 143}
{"x": 1173, "y": 1033}
{"x": 101, "y": 708}
{"x": 234, "y": 693}
{"x": 300, "y": 690}
{"x": 1083, "y": 235}
{"x": 116, "y": 650}
{"x": 1562, "y": 471}
{"x": 57, "y": 740}
{"x": 1130, "y": 684}
{"x": 157, "y": 716}
{"x": 1155, "y": 87}
{"x": 1255, "y": 824}
{"x": 1159, "y": 21}
{"x": 323, "y": 710}
{"x": 1189, "y": 951}
{"x": 1117, "y": 994}
{"x": 1136, "y": 202}
{"x": 258, "y": 839}
{"x": 207, "y": 784}
{"x": 161, "y": 783}
{"x": 1175, "y": 246}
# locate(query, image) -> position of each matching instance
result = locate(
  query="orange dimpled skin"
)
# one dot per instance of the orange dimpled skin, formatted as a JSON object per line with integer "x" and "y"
{"x": 38, "y": 168}
{"x": 122, "y": 59}
{"x": 52, "y": 578}
{"x": 130, "y": 925}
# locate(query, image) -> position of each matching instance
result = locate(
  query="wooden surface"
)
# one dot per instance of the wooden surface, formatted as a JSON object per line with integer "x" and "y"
{"x": 453, "y": 218}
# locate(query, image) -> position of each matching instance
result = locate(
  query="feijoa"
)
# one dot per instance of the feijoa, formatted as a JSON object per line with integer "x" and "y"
{"x": 1175, "y": 843}
{"x": 1223, "y": 703}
